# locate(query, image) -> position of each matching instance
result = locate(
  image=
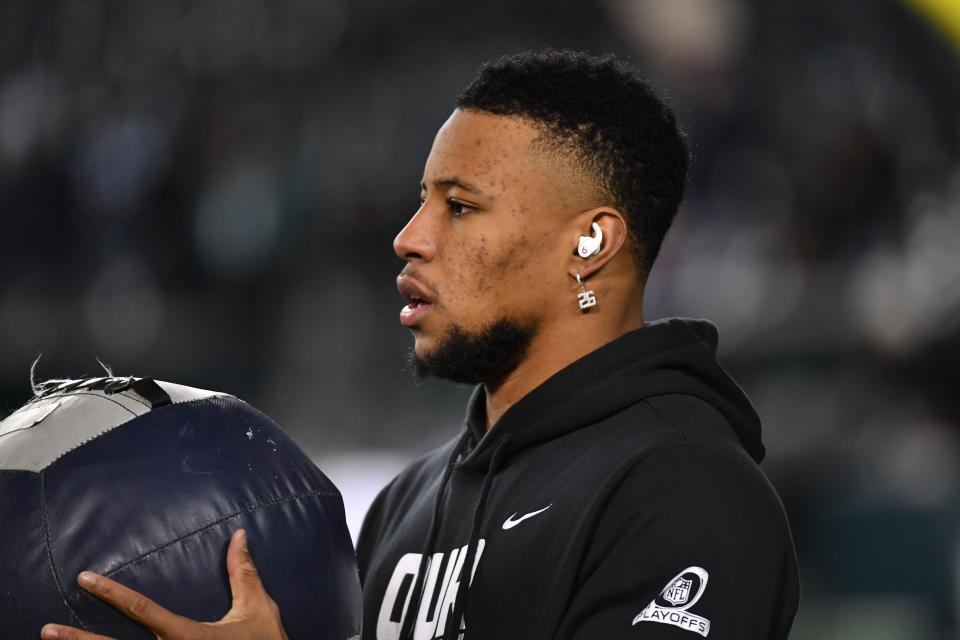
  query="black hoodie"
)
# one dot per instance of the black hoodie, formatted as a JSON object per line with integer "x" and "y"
{"x": 619, "y": 499}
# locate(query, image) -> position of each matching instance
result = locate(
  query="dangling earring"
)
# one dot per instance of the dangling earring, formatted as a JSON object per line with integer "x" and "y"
{"x": 585, "y": 298}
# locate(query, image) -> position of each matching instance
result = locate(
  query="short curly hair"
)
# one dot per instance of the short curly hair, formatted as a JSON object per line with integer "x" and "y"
{"x": 601, "y": 109}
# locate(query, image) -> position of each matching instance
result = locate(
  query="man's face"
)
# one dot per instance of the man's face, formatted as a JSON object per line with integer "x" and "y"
{"x": 487, "y": 250}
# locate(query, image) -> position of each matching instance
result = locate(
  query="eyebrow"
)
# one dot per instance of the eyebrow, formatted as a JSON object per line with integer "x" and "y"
{"x": 453, "y": 181}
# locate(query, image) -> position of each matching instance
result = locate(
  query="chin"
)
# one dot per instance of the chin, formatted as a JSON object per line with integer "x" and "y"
{"x": 483, "y": 355}
{"x": 428, "y": 337}
{"x": 422, "y": 344}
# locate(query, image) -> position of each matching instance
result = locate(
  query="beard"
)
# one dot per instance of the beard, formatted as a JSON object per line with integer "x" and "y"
{"x": 486, "y": 356}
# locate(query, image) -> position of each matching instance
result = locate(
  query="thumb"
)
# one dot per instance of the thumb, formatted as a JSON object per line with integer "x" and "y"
{"x": 245, "y": 582}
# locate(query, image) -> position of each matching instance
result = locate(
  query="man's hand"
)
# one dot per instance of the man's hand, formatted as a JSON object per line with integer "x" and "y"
{"x": 252, "y": 616}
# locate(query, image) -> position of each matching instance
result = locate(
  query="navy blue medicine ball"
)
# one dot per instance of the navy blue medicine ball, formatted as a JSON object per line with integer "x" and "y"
{"x": 144, "y": 482}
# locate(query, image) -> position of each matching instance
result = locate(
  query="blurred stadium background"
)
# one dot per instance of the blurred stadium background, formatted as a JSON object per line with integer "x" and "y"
{"x": 205, "y": 191}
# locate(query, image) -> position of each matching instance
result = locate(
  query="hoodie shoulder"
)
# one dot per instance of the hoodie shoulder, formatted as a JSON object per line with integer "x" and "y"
{"x": 656, "y": 424}
{"x": 696, "y": 421}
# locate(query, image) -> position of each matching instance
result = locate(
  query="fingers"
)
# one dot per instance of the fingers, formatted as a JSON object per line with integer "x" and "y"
{"x": 244, "y": 580}
{"x": 253, "y": 609}
{"x": 133, "y": 604}
{"x": 61, "y": 632}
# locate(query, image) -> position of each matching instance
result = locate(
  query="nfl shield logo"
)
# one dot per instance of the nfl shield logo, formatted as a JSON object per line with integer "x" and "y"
{"x": 678, "y": 592}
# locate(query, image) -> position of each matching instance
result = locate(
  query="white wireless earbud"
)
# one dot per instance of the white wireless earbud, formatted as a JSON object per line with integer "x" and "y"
{"x": 590, "y": 246}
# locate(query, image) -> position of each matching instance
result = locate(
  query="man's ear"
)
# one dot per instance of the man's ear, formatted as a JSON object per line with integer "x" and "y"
{"x": 594, "y": 246}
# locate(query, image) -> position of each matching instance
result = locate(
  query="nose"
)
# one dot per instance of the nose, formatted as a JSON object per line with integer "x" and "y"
{"x": 417, "y": 240}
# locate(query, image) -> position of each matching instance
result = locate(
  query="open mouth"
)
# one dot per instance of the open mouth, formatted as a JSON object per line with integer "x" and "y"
{"x": 417, "y": 301}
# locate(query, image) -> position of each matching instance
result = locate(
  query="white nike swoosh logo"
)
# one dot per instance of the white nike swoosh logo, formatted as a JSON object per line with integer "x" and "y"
{"x": 511, "y": 522}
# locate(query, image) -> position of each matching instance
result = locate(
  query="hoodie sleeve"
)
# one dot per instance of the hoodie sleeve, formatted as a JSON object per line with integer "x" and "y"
{"x": 692, "y": 542}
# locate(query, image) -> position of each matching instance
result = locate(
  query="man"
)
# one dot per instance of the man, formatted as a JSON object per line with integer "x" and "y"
{"x": 603, "y": 485}
{"x": 605, "y": 482}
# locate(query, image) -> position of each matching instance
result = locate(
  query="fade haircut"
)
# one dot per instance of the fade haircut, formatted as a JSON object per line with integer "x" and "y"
{"x": 604, "y": 114}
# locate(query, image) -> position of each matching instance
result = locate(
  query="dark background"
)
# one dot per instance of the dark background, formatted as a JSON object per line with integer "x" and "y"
{"x": 205, "y": 191}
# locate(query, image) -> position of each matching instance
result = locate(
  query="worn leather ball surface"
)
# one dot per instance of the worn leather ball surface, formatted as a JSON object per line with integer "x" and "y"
{"x": 145, "y": 482}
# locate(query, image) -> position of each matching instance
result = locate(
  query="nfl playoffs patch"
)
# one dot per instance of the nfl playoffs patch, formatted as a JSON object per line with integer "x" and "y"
{"x": 673, "y": 604}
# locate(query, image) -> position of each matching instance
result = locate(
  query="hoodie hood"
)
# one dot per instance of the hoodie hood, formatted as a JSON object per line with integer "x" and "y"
{"x": 671, "y": 356}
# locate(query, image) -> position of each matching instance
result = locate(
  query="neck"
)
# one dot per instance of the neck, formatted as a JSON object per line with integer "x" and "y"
{"x": 555, "y": 348}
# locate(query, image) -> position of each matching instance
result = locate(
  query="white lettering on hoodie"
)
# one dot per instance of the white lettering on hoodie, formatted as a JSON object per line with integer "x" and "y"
{"x": 430, "y": 623}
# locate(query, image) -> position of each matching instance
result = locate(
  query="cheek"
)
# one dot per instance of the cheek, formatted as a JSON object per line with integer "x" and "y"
{"x": 522, "y": 268}
{"x": 469, "y": 270}
{"x": 481, "y": 269}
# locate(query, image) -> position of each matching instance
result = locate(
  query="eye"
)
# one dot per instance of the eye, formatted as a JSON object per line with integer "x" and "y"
{"x": 458, "y": 208}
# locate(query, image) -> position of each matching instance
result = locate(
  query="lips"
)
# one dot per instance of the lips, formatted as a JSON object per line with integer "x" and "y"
{"x": 419, "y": 300}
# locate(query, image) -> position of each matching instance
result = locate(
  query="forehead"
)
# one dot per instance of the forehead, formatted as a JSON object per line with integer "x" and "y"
{"x": 488, "y": 150}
